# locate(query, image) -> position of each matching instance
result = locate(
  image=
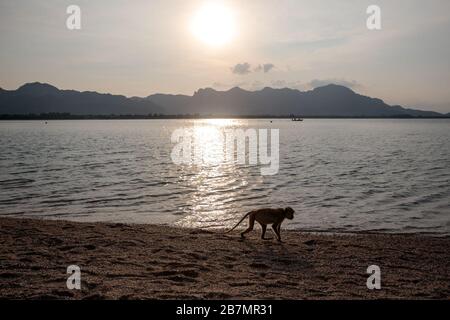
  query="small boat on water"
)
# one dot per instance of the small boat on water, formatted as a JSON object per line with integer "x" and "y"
{"x": 294, "y": 118}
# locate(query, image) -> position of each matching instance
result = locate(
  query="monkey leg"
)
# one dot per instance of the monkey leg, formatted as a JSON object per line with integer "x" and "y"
{"x": 263, "y": 231}
{"x": 251, "y": 223}
{"x": 276, "y": 229}
{"x": 279, "y": 232}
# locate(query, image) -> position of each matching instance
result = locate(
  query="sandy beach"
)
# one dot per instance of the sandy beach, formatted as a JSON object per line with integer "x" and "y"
{"x": 120, "y": 261}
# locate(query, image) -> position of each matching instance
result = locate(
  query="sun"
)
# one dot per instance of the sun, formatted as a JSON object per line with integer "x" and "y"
{"x": 214, "y": 24}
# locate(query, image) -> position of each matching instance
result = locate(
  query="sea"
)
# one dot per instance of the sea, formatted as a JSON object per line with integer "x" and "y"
{"x": 339, "y": 175}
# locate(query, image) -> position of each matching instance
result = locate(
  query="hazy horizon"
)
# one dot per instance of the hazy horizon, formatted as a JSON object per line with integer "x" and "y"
{"x": 144, "y": 48}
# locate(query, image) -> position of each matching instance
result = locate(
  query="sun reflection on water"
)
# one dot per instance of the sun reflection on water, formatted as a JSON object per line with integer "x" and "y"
{"x": 216, "y": 182}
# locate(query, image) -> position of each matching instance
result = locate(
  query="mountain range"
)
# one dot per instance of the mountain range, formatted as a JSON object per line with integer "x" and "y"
{"x": 330, "y": 100}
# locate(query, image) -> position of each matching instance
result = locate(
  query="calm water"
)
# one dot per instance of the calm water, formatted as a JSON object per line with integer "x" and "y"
{"x": 339, "y": 175}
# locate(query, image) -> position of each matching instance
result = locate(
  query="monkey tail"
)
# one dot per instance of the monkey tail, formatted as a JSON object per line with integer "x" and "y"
{"x": 239, "y": 222}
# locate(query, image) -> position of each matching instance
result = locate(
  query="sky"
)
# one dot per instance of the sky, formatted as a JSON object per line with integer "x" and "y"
{"x": 141, "y": 47}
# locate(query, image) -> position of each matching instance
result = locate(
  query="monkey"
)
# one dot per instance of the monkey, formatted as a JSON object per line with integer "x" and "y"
{"x": 264, "y": 217}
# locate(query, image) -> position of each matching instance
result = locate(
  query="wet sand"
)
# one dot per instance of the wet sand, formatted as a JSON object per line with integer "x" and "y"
{"x": 120, "y": 261}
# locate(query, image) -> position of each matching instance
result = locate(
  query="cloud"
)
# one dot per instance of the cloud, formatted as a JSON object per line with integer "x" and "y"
{"x": 280, "y": 83}
{"x": 314, "y": 84}
{"x": 323, "y": 82}
{"x": 245, "y": 68}
{"x": 241, "y": 68}
{"x": 289, "y": 84}
{"x": 266, "y": 67}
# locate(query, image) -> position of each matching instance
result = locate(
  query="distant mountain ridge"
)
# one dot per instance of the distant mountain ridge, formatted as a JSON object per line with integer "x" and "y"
{"x": 44, "y": 98}
{"x": 330, "y": 100}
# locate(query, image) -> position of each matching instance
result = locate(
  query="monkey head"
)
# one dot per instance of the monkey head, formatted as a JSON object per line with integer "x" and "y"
{"x": 289, "y": 213}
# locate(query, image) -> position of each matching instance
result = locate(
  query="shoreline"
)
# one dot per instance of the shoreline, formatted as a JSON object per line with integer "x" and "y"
{"x": 135, "y": 261}
{"x": 46, "y": 117}
{"x": 242, "y": 226}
